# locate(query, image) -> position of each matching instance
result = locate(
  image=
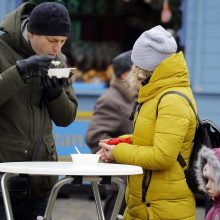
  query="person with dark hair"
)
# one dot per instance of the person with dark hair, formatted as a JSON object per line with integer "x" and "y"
{"x": 31, "y": 41}
{"x": 163, "y": 129}
{"x": 111, "y": 116}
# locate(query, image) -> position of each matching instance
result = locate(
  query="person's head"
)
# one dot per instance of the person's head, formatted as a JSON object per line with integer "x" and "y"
{"x": 48, "y": 28}
{"x": 211, "y": 187}
{"x": 149, "y": 50}
{"x": 122, "y": 64}
{"x": 208, "y": 171}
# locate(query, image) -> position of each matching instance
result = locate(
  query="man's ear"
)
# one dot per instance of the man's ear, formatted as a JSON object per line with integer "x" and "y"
{"x": 30, "y": 35}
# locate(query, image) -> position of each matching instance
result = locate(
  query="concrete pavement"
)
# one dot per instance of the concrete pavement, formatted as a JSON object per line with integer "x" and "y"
{"x": 79, "y": 207}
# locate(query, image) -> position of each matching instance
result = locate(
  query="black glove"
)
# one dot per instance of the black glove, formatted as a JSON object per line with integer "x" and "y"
{"x": 53, "y": 87}
{"x": 34, "y": 66}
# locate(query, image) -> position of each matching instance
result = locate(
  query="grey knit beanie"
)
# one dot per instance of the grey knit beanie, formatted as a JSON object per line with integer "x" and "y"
{"x": 51, "y": 19}
{"x": 152, "y": 47}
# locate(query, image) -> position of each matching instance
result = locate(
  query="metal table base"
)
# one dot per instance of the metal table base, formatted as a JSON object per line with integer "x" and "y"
{"x": 54, "y": 192}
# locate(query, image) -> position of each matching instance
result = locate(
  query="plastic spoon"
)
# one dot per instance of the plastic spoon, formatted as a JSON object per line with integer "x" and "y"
{"x": 77, "y": 150}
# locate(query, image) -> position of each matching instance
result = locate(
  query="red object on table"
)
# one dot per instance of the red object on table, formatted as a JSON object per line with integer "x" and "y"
{"x": 114, "y": 141}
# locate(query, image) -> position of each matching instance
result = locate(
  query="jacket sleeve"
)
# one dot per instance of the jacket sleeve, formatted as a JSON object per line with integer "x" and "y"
{"x": 171, "y": 127}
{"x": 10, "y": 84}
{"x": 105, "y": 123}
{"x": 63, "y": 109}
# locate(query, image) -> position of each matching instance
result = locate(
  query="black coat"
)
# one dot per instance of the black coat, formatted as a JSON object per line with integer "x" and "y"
{"x": 20, "y": 104}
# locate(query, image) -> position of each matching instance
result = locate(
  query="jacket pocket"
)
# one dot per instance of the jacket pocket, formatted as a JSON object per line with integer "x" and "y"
{"x": 13, "y": 149}
{"x": 136, "y": 209}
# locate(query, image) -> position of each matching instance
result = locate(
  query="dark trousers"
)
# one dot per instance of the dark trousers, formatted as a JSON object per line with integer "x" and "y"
{"x": 23, "y": 208}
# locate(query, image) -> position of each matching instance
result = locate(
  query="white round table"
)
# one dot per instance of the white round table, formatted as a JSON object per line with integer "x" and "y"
{"x": 73, "y": 173}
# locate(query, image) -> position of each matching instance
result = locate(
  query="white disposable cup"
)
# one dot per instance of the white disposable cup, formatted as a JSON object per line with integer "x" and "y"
{"x": 60, "y": 72}
{"x": 85, "y": 158}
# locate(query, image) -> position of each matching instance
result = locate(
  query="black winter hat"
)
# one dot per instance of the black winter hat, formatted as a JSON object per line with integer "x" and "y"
{"x": 51, "y": 19}
{"x": 122, "y": 63}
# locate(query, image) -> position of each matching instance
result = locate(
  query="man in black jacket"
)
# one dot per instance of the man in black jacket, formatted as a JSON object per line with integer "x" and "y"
{"x": 30, "y": 100}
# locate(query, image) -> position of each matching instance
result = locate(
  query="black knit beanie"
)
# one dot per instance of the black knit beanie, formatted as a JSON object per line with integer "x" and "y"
{"x": 51, "y": 19}
{"x": 122, "y": 63}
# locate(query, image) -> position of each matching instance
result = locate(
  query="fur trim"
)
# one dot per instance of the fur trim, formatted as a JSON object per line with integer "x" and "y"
{"x": 207, "y": 155}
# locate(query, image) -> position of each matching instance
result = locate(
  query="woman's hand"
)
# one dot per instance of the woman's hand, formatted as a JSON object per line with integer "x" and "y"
{"x": 106, "y": 151}
{"x": 103, "y": 156}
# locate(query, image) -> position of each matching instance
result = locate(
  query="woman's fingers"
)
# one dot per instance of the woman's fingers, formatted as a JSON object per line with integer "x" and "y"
{"x": 106, "y": 146}
{"x": 105, "y": 140}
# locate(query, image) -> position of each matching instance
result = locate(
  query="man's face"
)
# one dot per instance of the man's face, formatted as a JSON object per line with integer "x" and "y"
{"x": 46, "y": 45}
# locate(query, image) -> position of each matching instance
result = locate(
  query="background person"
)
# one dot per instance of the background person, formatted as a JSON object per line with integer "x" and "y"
{"x": 161, "y": 192}
{"x": 112, "y": 110}
{"x": 208, "y": 176}
{"x": 32, "y": 38}
{"x": 111, "y": 116}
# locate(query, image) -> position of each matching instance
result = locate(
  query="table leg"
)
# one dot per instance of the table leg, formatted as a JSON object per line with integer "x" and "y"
{"x": 53, "y": 196}
{"x": 5, "y": 195}
{"x": 120, "y": 196}
{"x": 98, "y": 201}
{"x": 118, "y": 201}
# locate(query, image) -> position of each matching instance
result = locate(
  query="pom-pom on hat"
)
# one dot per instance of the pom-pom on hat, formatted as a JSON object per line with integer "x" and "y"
{"x": 152, "y": 47}
{"x": 51, "y": 19}
{"x": 122, "y": 63}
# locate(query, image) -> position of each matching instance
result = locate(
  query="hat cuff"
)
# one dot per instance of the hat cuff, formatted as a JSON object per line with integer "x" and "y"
{"x": 64, "y": 31}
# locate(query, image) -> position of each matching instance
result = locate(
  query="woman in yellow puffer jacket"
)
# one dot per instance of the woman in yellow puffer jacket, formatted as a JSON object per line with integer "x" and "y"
{"x": 161, "y": 192}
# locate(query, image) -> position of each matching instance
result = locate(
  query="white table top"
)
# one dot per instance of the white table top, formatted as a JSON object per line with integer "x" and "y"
{"x": 68, "y": 168}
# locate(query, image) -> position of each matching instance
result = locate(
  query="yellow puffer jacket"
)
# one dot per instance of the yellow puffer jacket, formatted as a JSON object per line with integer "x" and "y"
{"x": 156, "y": 143}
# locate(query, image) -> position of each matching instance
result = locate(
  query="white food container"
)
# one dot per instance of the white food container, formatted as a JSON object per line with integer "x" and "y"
{"x": 85, "y": 158}
{"x": 60, "y": 72}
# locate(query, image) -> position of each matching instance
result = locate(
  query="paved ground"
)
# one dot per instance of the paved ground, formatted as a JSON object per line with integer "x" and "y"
{"x": 84, "y": 209}
{"x": 81, "y": 207}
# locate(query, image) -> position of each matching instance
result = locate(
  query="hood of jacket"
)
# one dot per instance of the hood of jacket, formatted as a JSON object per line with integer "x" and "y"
{"x": 11, "y": 25}
{"x": 172, "y": 72}
{"x": 210, "y": 156}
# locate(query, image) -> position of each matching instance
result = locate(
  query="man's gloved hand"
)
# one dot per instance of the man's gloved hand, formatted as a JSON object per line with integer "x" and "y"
{"x": 52, "y": 87}
{"x": 34, "y": 66}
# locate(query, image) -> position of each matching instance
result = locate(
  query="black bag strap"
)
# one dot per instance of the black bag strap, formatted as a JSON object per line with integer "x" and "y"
{"x": 180, "y": 94}
{"x": 180, "y": 159}
{"x": 39, "y": 139}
